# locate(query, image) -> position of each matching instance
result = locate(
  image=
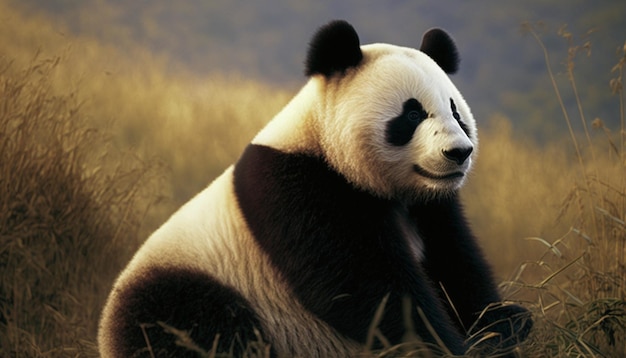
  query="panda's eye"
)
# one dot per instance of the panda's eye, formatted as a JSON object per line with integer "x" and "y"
{"x": 455, "y": 114}
{"x": 400, "y": 129}
{"x": 414, "y": 116}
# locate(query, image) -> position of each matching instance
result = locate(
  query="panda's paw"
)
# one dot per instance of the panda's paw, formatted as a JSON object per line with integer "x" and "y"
{"x": 500, "y": 329}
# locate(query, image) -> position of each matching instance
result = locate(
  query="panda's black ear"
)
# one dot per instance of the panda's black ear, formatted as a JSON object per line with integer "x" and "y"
{"x": 334, "y": 48}
{"x": 437, "y": 44}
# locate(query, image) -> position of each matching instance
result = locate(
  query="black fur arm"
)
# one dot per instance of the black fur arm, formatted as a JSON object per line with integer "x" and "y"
{"x": 454, "y": 261}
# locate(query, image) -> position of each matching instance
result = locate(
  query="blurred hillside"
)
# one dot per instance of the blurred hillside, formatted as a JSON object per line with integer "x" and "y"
{"x": 502, "y": 70}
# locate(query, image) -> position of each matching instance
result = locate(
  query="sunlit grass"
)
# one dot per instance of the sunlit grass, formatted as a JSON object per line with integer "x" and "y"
{"x": 577, "y": 288}
{"x": 70, "y": 210}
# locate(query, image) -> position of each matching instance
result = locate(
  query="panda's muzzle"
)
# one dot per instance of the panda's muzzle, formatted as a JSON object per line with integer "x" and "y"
{"x": 425, "y": 173}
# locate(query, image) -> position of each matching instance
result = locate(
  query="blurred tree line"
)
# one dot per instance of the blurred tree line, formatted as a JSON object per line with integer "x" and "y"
{"x": 502, "y": 71}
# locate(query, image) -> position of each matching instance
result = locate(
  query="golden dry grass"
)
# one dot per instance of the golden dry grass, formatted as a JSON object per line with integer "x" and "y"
{"x": 70, "y": 209}
{"x": 92, "y": 141}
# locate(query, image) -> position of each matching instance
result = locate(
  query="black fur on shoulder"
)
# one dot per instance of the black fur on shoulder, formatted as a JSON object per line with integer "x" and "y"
{"x": 437, "y": 44}
{"x": 334, "y": 48}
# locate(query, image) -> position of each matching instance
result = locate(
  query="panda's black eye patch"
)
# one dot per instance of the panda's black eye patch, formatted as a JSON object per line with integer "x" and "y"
{"x": 457, "y": 116}
{"x": 401, "y": 128}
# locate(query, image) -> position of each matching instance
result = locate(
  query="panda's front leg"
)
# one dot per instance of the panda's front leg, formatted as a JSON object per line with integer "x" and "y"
{"x": 429, "y": 318}
{"x": 393, "y": 307}
{"x": 453, "y": 261}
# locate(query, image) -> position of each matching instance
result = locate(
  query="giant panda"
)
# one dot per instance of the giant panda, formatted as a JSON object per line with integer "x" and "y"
{"x": 339, "y": 230}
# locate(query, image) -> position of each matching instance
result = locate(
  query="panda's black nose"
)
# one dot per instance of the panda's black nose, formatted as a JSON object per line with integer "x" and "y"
{"x": 458, "y": 155}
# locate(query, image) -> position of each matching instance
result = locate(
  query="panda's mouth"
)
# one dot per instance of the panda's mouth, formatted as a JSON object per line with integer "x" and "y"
{"x": 425, "y": 173}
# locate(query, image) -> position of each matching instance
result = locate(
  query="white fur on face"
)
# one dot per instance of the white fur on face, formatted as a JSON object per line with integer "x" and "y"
{"x": 358, "y": 107}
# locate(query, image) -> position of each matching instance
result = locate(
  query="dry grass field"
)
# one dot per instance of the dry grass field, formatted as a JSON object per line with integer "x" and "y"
{"x": 98, "y": 147}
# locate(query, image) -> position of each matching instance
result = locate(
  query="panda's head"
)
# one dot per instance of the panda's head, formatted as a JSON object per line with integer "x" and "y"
{"x": 387, "y": 118}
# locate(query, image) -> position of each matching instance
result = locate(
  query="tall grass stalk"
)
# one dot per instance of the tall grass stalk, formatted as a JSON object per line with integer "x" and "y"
{"x": 581, "y": 301}
{"x": 565, "y": 112}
